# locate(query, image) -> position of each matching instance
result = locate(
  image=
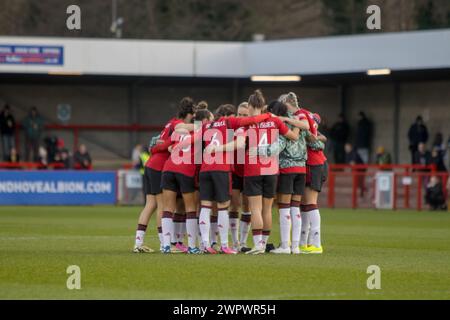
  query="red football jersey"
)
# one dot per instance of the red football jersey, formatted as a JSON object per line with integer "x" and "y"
{"x": 315, "y": 157}
{"x": 263, "y": 134}
{"x": 181, "y": 159}
{"x": 157, "y": 160}
{"x": 217, "y": 132}
{"x": 239, "y": 155}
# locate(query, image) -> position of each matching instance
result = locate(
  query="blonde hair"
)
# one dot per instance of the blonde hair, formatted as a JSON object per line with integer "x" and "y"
{"x": 290, "y": 98}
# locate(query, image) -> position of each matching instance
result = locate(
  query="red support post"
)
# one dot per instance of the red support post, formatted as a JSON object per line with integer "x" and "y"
{"x": 406, "y": 190}
{"x": 395, "y": 192}
{"x": 354, "y": 190}
{"x": 419, "y": 192}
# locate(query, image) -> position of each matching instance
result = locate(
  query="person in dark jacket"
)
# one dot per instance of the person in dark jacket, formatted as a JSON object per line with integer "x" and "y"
{"x": 363, "y": 139}
{"x": 7, "y": 130}
{"x": 33, "y": 126}
{"x": 437, "y": 160}
{"x": 82, "y": 160}
{"x": 340, "y": 132}
{"x": 434, "y": 195}
{"x": 352, "y": 157}
{"x": 418, "y": 133}
{"x": 422, "y": 155}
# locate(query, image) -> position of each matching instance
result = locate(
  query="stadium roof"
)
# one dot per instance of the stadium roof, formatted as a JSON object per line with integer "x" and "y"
{"x": 406, "y": 51}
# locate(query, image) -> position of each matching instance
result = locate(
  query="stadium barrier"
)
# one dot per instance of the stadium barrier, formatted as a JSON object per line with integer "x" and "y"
{"x": 30, "y": 165}
{"x": 76, "y": 128}
{"x": 407, "y": 186}
{"x": 62, "y": 187}
{"x": 129, "y": 187}
{"x": 26, "y": 184}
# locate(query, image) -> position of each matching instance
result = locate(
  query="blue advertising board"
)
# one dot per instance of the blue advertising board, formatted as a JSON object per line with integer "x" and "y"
{"x": 36, "y": 55}
{"x": 57, "y": 187}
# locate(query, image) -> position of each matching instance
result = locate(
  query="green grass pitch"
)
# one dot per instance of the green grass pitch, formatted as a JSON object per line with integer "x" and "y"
{"x": 37, "y": 244}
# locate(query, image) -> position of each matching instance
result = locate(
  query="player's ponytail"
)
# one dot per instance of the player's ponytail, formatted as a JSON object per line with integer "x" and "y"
{"x": 257, "y": 100}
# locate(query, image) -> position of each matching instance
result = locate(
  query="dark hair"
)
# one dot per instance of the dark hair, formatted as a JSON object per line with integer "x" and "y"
{"x": 438, "y": 139}
{"x": 225, "y": 110}
{"x": 185, "y": 107}
{"x": 278, "y": 108}
{"x": 202, "y": 105}
{"x": 257, "y": 100}
{"x": 200, "y": 115}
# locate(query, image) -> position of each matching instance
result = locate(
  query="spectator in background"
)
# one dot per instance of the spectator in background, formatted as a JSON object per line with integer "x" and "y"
{"x": 7, "y": 130}
{"x": 441, "y": 148}
{"x": 339, "y": 134}
{"x": 135, "y": 156}
{"x": 43, "y": 159}
{"x": 418, "y": 133}
{"x": 13, "y": 156}
{"x": 438, "y": 142}
{"x": 434, "y": 194}
{"x": 62, "y": 156}
{"x": 382, "y": 157}
{"x": 13, "y": 159}
{"x": 363, "y": 139}
{"x": 143, "y": 158}
{"x": 353, "y": 158}
{"x": 437, "y": 159}
{"x": 422, "y": 155}
{"x": 82, "y": 159}
{"x": 51, "y": 145}
{"x": 33, "y": 126}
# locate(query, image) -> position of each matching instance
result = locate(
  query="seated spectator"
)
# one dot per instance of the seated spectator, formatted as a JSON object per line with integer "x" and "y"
{"x": 13, "y": 156}
{"x": 434, "y": 194}
{"x": 382, "y": 157}
{"x": 437, "y": 159}
{"x": 422, "y": 155}
{"x": 82, "y": 159}
{"x": 62, "y": 159}
{"x": 42, "y": 158}
{"x": 351, "y": 155}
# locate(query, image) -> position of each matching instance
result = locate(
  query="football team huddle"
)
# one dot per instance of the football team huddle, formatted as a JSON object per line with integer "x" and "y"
{"x": 210, "y": 175}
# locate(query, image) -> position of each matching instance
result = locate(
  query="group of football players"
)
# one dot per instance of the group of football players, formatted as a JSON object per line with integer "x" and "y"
{"x": 208, "y": 168}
